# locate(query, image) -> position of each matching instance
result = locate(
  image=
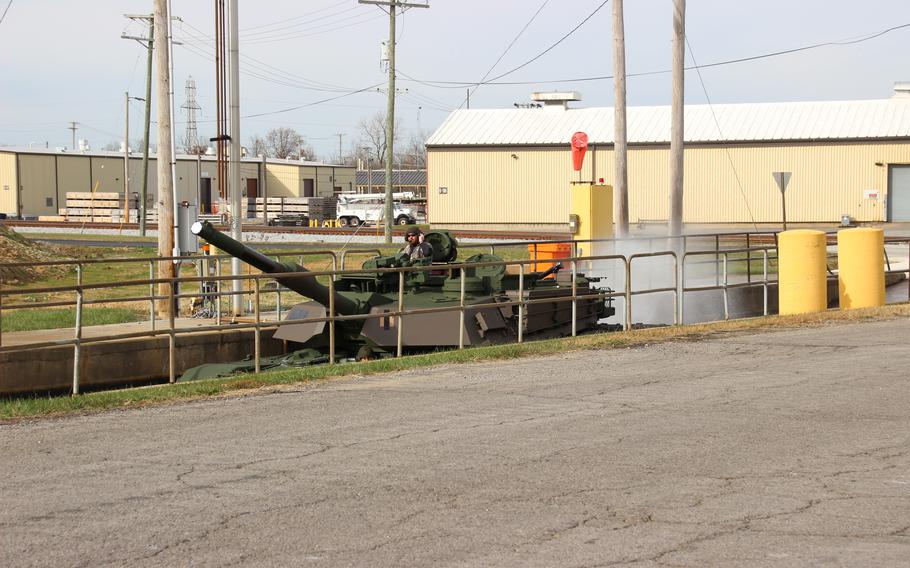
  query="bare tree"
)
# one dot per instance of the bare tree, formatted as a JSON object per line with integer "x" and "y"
{"x": 372, "y": 130}
{"x": 414, "y": 154}
{"x": 258, "y": 147}
{"x": 286, "y": 142}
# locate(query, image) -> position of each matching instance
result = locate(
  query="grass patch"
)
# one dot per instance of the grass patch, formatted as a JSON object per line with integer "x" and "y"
{"x": 31, "y": 319}
{"x": 34, "y": 407}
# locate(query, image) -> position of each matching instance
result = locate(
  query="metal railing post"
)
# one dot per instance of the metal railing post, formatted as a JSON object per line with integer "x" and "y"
{"x": 748, "y": 259}
{"x": 218, "y": 291}
{"x": 332, "y": 318}
{"x": 277, "y": 301}
{"x": 574, "y": 299}
{"x": 77, "y": 340}
{"x": 677, "y": 295}
{"x": 400, "y": 309}
{"x": 461, "y": 309}
{"x": 521, "y": 300}
{"x": 628, "y": 318}
{"x": 152, "y": 294}
{"x": 257, "y": 341}
{"x": 726, "y": 291}
{"x": 716, "y": 259}
{"x": 765, "y": 281}
{"x": 171, "y": 336}
{"x": 682, "y": 286}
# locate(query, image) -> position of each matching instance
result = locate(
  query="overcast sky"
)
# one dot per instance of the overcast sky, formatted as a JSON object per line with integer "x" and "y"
{"x": 63, "y": 60}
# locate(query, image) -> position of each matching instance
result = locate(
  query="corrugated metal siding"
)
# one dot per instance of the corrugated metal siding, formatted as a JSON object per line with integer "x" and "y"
{"x": 489, "y": 186}
{"x": 37, "y": 181}
{"x": 283, "y": 180}
{"x": 72, "y": 175}
{"x": 831, "y": 120}
{"x": 8, "y": 184}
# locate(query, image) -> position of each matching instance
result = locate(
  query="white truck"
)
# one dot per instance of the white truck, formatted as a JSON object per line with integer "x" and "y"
{"x": 369, "y": 208}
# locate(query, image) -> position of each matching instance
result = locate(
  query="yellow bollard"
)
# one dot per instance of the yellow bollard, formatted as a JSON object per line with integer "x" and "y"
{"x": 802, "y": 282}
{"x": 861, "y": 267}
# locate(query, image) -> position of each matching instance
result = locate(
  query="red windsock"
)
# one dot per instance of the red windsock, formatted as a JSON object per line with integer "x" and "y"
{"x": 579, "y": 146}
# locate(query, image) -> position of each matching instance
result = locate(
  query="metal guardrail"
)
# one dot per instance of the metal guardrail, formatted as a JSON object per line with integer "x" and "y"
{"x": 172, "y": 295}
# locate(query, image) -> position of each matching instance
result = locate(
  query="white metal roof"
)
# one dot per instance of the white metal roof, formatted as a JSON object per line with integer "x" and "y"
{"x": 829, "y": 120}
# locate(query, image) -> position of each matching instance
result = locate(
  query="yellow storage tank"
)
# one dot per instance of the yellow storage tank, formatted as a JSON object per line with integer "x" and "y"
{"x": 861, "y": 267}
{"x": 802, "y": 280}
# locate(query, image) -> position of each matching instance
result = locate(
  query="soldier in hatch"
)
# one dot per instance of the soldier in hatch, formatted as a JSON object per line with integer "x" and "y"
{"x": 416, "y": 248}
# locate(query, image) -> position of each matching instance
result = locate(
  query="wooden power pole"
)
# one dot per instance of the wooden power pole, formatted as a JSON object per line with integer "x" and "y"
{"x": 677, "y": 117}
{"x": 621, "y": 170}
{"x": 165, "y": 151}
{"x": 390, "y": 107}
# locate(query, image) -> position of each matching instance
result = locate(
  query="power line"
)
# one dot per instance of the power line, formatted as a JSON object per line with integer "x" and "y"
{"x": 285, "y": 21}
{"x": 503, "y": 54}
{"x": 462, "y": 84}
{"x": 3, "y": 17}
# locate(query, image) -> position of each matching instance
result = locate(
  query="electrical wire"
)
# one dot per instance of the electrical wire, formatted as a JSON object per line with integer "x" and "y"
{"x": 3, "y": 17}
{"x": 704, "y": 88}
{"x": 285, "y": 21}
{"x": 463, "y": 84}
{"x": 503, "y": 54}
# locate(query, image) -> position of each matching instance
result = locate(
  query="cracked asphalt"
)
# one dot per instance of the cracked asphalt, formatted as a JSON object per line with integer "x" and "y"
{"x": 785, "y": 448}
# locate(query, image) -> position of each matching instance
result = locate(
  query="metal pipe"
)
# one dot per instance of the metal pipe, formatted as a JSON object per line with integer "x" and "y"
{"x": 628, "y": 307}
{"x": 331, "y": 306}
{"x": 172, "y": 339}
{"x": 257, "y": 335}
{"x": 461, "y": 310}
{"x": 726, "y": 294}
{"x": 400, "y": 310}
{"x": 152, "y": 294}
{"x": 682, "y": 300}
{"x": 574, "y": 299}
{"x": 765, "y": 281}
{"x": 521, "y": 302}
{"x": 77, "y": 345}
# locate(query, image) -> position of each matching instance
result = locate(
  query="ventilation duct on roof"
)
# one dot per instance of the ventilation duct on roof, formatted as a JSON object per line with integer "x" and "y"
{"x": 902, "y": 89}
{"x": 556, "y": 99}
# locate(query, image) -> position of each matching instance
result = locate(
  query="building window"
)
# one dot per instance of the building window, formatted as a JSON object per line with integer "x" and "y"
{"x": 49, "y": 202}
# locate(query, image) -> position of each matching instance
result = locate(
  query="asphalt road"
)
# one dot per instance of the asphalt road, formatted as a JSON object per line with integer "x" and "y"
{"x": 788, "y": 448}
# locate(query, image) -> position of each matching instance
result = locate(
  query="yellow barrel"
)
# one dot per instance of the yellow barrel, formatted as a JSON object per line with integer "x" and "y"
{"x": 861, "y": 267}
{"x": 802, "y": 285}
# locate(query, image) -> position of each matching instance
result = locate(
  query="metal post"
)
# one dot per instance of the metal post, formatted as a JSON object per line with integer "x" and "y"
{"x": 171, "y": 338}
{"x": 400, "y": 309}
{"x": 574, "y": 298}
{"x": 748, "y": 259}
{"x": 332, "y": 317}
{"x": 152, "y": 294}
{"x": 77, "y": 345}
{"x": 628, "y": 322}
{"x": 461, "y": 312}
{"x": 765, "y": 281}
{"x": 278, "y": 301}
{"x": 521, "y": 301}
{"x": 726, "y": 295}
{"x": 677, "y": 297}
{"x": 716, "y": 259}
{"x": 257, "y": 337}
{"x": 218, "y": 291}
{"x": 682, "y": 287}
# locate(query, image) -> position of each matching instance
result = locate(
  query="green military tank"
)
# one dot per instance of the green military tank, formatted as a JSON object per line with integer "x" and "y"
{"x": 489, "y": 315}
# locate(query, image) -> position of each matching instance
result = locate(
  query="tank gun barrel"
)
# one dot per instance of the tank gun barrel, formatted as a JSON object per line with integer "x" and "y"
{"x": 302, "y": 284}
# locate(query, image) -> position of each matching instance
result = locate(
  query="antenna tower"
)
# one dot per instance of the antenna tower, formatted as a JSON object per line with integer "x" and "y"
{"x": 191, "y": 136}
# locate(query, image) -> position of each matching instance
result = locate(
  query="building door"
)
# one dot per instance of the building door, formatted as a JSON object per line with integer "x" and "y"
{"x": 205, "y": 195}
{"x": 252, "y": 188}
{"x": 309, "y": 187}
{"x": 899, "y": 194}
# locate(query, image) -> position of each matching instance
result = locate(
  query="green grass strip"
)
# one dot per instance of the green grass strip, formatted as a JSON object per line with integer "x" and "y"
{"x": 32, "y": 319}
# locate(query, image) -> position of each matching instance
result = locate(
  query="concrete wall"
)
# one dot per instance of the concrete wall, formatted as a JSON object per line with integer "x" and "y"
{"x": 723, "y": 184}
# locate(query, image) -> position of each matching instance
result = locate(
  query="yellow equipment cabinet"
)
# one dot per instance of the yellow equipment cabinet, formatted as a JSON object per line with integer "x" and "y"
{"x": 591, "y": 211}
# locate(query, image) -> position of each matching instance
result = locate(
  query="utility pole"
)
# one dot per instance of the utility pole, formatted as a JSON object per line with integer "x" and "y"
{"x": 165, "y": 150}
{"x": 390, "y": 108}
{"x": 237, "y": 211}
{"x": 677, "y": 117}
{"x": 126, "y": 158}
{"x": 621, "y": 170}
{"x": 340, "y": 156}
{"x": 72, "y": 127}
{"x": 147, "y": 42}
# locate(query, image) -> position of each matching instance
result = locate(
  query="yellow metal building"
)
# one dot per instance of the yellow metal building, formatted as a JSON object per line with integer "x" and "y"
{"x": 35, "y": 182}
{"x": 512, "y": 168}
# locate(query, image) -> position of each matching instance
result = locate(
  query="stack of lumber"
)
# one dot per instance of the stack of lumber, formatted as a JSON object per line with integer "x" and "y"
{"x": 276, "y": 206}
{"x": 102, "y": 207}
{"x": 323, "y": 208}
